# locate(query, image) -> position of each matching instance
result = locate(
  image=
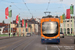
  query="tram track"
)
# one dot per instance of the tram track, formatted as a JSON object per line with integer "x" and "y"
{"x": 24, "y": 44}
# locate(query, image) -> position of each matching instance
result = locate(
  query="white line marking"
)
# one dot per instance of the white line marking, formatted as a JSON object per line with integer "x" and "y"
{"x": 58, "y": 47}
{"x": 46, "y": 47}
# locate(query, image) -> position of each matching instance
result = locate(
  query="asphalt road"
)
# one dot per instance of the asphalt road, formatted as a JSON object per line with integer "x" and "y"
{"x": 34, "y": 43}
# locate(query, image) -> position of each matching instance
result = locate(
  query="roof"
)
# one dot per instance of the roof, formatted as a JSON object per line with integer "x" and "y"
{"x": 5, "y": 30}
{"x": 1, "y": 24}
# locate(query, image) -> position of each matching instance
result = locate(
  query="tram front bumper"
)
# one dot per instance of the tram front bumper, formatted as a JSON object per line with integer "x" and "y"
{"x": 50, "y": 40}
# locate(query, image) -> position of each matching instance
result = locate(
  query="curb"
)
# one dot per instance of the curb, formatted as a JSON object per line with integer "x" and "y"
{"x": 3, "y": 38}
{"x": 70, "y": 36}
{"x": 7, "y": 37}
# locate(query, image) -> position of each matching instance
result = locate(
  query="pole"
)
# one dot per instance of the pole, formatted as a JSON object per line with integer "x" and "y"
{"x": 27, "y": 24}
{"x": 10, "y": 21}
{"x": 10, "y": 26}
{"x": 60, "y": 25}
{"x": 31, "y": 29}
{"x": 19, "y": 27}
{"x": 24, "y": 27}
{"x": 64, "y": 23}
{"x": 72, "y": 25}
{"x": 27, "y": 27}
{"x": 64, "y": 28}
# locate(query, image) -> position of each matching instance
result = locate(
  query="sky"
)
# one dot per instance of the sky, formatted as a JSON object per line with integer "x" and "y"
{"x": 36, "y": 8}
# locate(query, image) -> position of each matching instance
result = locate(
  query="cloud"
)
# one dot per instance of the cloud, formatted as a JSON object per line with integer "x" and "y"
{"x": 42, "y": 1}
{"x": 67, "y": 2}
{"x": 37, "y": 1}
{"x": 6, "y": 3}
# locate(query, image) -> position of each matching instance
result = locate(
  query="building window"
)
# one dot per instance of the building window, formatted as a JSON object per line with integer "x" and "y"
{"x": 71, "y": 20}
{"x": 67, "y": 25}
{"x": 64, "y": 21}
{"x": 71, "y": 25}
{"x": 23, "y": 29}
{"x": 4, "y": 30}
{"x": 67, "y": 20}
{"x": 68, "y": 30}
{"x": 11, "y": 28}
{"x": 14, "y": 30}
{"x": 64, "y": 30}
{"x": 0, "y": 29}
{"x": 71, "y": 30}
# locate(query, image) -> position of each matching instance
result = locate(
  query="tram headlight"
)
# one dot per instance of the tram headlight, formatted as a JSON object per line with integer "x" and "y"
{"x": 57, "y": 37}
{"x": 43, "y": 38}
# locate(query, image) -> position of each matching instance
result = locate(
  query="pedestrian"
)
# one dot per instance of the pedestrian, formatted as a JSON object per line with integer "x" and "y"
{"x": 9, "y": 34}
{"x": 23, "y": 34}
{"x": 13, "y": 34}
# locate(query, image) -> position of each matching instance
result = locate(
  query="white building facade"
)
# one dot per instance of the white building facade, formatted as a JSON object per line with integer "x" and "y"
{"x": 68, "y": 26}
{"x": 1, "y": 30}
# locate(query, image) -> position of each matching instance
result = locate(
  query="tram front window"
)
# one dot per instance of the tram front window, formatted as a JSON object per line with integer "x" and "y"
{"x": 50, "y": 29}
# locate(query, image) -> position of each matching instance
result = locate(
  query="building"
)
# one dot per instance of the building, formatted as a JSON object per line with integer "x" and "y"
{"x": 67, "y": 25}
{"x": 19, "y": 29}
{"x": 38, "y": 20}
{"x": 2, "y": 26}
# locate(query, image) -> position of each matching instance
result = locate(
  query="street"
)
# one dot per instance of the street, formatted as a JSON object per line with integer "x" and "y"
{"x": 34, "y": 43}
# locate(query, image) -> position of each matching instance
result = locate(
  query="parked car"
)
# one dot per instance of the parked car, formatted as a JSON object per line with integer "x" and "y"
{"x": 28, "y": 34}
{"x": 61, "y": 34}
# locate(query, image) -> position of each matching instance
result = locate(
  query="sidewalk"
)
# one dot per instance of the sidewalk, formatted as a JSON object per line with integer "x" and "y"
{"x": 9, "y": 37}
{"x": 70, "y": 36}
{"x": 3, "y": 37}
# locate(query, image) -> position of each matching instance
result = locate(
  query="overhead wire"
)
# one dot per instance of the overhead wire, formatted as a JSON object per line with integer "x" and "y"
{"x": 48, "y": 5}
{"x": 12, "y": 3}
{"x": 47, "y": 8}
{"x": 16, "y": 6}
{"x": 27, "y": 8}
